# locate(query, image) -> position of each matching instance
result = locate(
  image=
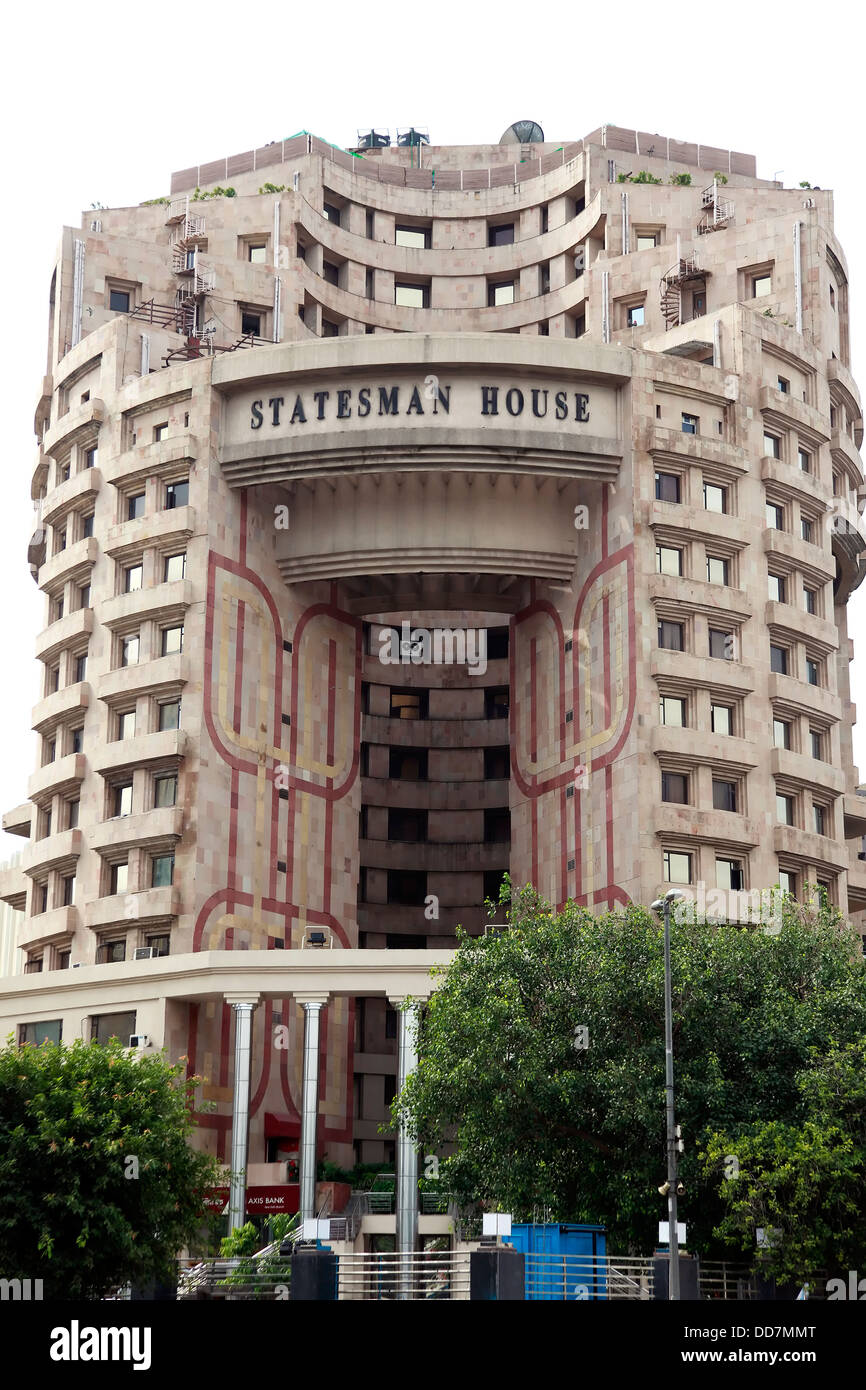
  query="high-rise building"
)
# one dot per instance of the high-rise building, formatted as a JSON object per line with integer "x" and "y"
{"x": 406, "y": 516}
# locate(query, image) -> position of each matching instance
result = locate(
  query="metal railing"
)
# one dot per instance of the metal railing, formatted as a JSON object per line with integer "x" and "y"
{"x": 588, "y": 1278}
{"x": 423, "y": 1276}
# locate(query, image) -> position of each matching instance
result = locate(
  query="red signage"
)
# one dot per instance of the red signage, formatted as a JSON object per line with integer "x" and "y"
{"x": 260, "y": 1200}
{"x": 216, "y": 1199}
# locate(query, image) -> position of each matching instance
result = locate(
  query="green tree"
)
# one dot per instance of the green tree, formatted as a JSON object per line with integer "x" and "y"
{"x": 99, "y": 1185}
{"x": 542, "y": 1116}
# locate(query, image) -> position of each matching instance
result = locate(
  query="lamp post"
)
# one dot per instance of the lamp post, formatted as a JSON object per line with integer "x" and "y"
{"x": 663, "y": 906}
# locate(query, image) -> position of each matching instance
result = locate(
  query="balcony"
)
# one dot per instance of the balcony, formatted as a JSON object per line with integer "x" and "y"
{"x": 661, "y": 440}
{"x": 66, "y": 562}
{"x": 143, "y": 460}
{"x": 43, "y": 408}
{"x": 167, "y": 600}
{"x": 162, "y": 824}
{"x": 802, "y": 554}
{"x": 701, "y": 746}
{"x": 58, "y": 778}
{"x": 809, "y": 772}
{"x": 406, "y": 794}
{"x": 814, "y": 849}
{"x": 63, "y": 633}
{"x": 801, "y": 626}
{"x": 805, "y": 698}
{"x": 52, "y": 852}
{"x": 845, "y": 452}
{"x": 17, "y": 821}
{"x": 44, "y": 928}
{"x": 39, "y": 477}
{"x": 792, "y": 479}
{"x": 781, "y": 408}
{"x": 854, "y": 811}
{"x": 14, "y": 886}
{"x": 840, "y": 375}
{"x": 85, "y": 484}
{"x": 84, "y": 420}
{"x": 721, "y": 827}
{"x": 151, "y": 904}
{"x": 699, "y": 595}
{"x": 165, "y": 746}
{"x": 397, "y": 917}
{"x": 439, "y": 859}
{"x": 433, "y": 733}
{"x": 170, "y": 526}
{"x": 153, "y": 676}
{"x": 59, "y": 705}
{"x": 702, "y": 671}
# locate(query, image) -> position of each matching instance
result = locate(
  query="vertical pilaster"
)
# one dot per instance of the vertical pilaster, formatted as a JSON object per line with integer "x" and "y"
{"x": 312, "y": 1006}
{"x": 242, "y": 1008}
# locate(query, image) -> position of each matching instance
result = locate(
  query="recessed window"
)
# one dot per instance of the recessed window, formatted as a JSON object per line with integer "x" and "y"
{"x": 761, "y": 285}
{"x": 104, "y": 1027}
{"x": 675, "y": 787}
{"x": 721, "y": 644}
{"x": 53, "y": 681}
{"x": 645, "y": 241}
{"x": 804, "y": 459}
{"x": 496, "y": 704}
{"x": 50, "y": 1031}
{"x": 162, "y": 870}
{"x": 57, "y": 608}
{"x": 126, "y": 724}
{"x": 667, "y": 487}
{"x": 410, "y": 764}
{"x": 412, "y": 296}
{"x": 810, "y": 600}
{"x": 177, "y": 494}
{"x": 129, "y": 649}
{"x": 501, "y": 293}
{"x": 84, "y": 596}
{"x": 778, "y": 659}
{"x": 119, "y": 877}
{"x": 132, "y": 577}
{"x": 671, "y": 635}
{"x": 715, "y": 498}
{"x": 819, "y": 819}
{"x": 784, "y": 809}
{"x": 169, "y": 714}
{"x": 672, "y": 710}
{"x": 669, "y": 560}
{"x": 122, "y": 800}
{"x": 781, "y": 733}
{"x": 76, "y": 739}
{"x": 172, "y": 640}
{"x": 772, "y": 446}
{"x": 816, "y": 743}
{"x": 118, "y": 301}
{"x": 677, "y": 866}
{"x": 165, "y": 789}
{"x": 721, "y": 719}
{"x": 91, "y": 457}
{"x": 788, "y": 882}
{"x": 160, "y": 432}
{"x": 776, "y": 587}
{"x": 690, "y": 423}
{"x": 501, "y": 235}
{"x": 813, "y": 671}
{"x": 806, "y": 528}
{"x": 135, "y": 507}
{"x": 718, "y": 570}
{"x": 635, "y": 316}
{"x": 331, "y": 272}
{"x": 408, "y": 704}
{"x": 87, "y": 526}
{"x": 257, "y": 252}
{"x": 724, "y": 795}
{"x": 775, "y": 516}
{"x": 111, "y": 952}
{"x": 251, "y": 323}
{"x": 783, "y": 385}
{"x": 729, "y": 874}
{"x": 331, "y": 213}
{"x": 80, "y": 667}
{"x": 418, "y": 237}
{"x": 330, "y": 329}
{"x": 64, "y": 471}
{"x": 72, "y": 810}
{"x": 174, "y": 567}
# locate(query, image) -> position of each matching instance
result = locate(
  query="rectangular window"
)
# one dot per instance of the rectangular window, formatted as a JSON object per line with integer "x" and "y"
{"x": 412, "y": 296}
{"x": 715, "y": 498}
{"x": 722, "y": 719}
{"x": 172, "y": 640}
{"x": 169, "y": 714}
{"x": 813, "y": 671}
{"x": 810, "y": 600}
{"x": 729, "y": 874}
{"x": 804, "y": 459}
{"x": 784, "y": 809}
{"x": 162, "y": 870}
{"x": 669, "y": 560}
{"x": 635, "y": 316}
{"x": 776, "y": 587}
{"x": 57, "y": 608}
{"x": 677, "y": 866}
{"x": 667, "y": 487}
{"x": 761, "y": 285}
{"x": 816, "y": 742}
{"x": 174, "y": 567}
{"x": 104, "y": 1027}
{"x": 819, "y": 819}
{"x": 257, "y": 252}
{"x": 119, "y": 877}
{"x": 251, "y": 323}
{"x": 330, "y": 272}
{"x": 87, "y": 526}
{"x": 122, "y": 800}
{"x": 772, "y": 446}
{"x": 775, "y": 516}
{"x": 73, "y": 808}
{"x": 675, "y": 787}
{"x": 160, "y": 432}
{"x": 408, "y": 704}
{"x": 118, "y": 301}
{"x": 724, "y": 795}
{"x": 781, "y": 733}
{"x": 132, "y": 577}
{"x": 129, "y": 649}
{"x": 50, "y": 1031}
{"x": 177, "y": 495}
{"x": 805, "y": 529}
{"x": 501, "y": 235}
{"x": 330, "y": 329}
{"x": 418, "y": 237}
{"x": 690, "y": 423}
{"x": 671, "y": 636}
{"x": 84, "y": 596}
{"x": 502, "y": 293}
{"x": 778, "y": 659}
{"x": 645, "y": 241}
{"x": 331, "y": 213}
{"x": 369, "y": 284}
{"x": 91, "y": 457}
{"x": 81, "y": 666}
{"x": 135, "y": 507}
{"x": 672, "y": 710}
{"x": 717, "y": 570}
{"x": 721, "y": 644}
{"x": 783, "y": 385}
{"x": 788, "y": 882}
{"x": 165, "y": 790}
{"x": 160, "y": 945}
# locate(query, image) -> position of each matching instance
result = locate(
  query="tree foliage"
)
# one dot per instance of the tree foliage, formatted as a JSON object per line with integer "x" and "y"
{"x": 540, "y": 1122}
{"x": 99, "y": 1185}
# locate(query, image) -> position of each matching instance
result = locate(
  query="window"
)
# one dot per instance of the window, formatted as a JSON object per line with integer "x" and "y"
{"x": 497, "y": 763}
{"x": 776, "y": 587}
{"x": 73, "y": 808}
{"x": 406, "y": 825}
{"x": 645, "y": 241}
{"x": 177, "y": 495}
{"x": 87, "y": 526}
{"x": 781, "y": 733}
{"x": 761, "y": 284}
{"x": 407, "y": 886}
{"x": 165, "y": 789}
{"x": 91, "y": 457}
{"x": 251, "y": 323}
{"x": 819, "y": 819}
{"x": 59, "y": 541}
{"x": 813, "y": 671}
{"x": 80, "y": 669}
{"x": 724, "y": 795}
{"x": 409, "y": 764}
{"x": 810, "y": 600}
{"x": 667, "y": 487}
{"x": 690, "y": 423}
{"x": 805, "y": 528}
{"x": 669, "y": 560}
{"x": 671, "y": 636}
{"x": 501, "y": 235}
{"x": 129, "y": 649}
{"x": 677, "y": 866}
{"x": 118, "y": 301}
{"x": 778, "y": 659}
{"x": 50, "y": 1031}
{"x": 172, "y": 640}
{"x": 160, "y": 432}
{"x": 257, "y": 252}
{"x": 132, "y": 577}
{"x": 412, "y": 236}
{"x": 84, "y": 596}
{"x": 126, "y": 724}
{"x": 675, "y": 787}
{"x": 169, "y": 714}
{"x": 119, "y": 877}
{"x": 775, "y": 516}
{"x": 784, "y": 809}
{"x": 408, "y": 704}
{"x": 369, "y": 284}
{"x": 57, "y": 608}
{"x": 804, "y": 459}
{"x": 174, "y": 567}
{"x": 330, "y": 329}
{"x": 717, "y": 570}
{"x": 783, "y": 385}
{"x": 53, "y": 680}
{"x": 722, "y": 719}
{"x": 390, "y": 1023}
{"x": 49, "y": 751}
{"x": 104, "y": 1027}
{"x": 63, "y": 960}
{"x": 721, "y": 644}
{"x": 76, "y": 739}
{"x": 788, "y": 882}
{"x": 412, "y": 296}
{"x": 672, "y": 710}
{"x": 729, "y": 874}
{"x": 122, "y": 800}
{"x": 501, "y": 293}
{"x": 816, "y": 743}
{"x": 330, "y": 272}
{"x": 331, "y": 213}
{"x": 635, "y": 316}
{"x": 64, "y": 471}
{"x": 715, "y": 498}
{"x": 162, "y": 870}
{"x": 772, "y": 446}
{"x": 135, "y": 506}
{"x": 496, "y": 704}
{"x": 370, "y": 223}
{"x": 160, "y": 945}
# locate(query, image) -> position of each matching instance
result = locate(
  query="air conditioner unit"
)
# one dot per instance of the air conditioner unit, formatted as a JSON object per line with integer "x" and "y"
{"x": 139, "y": 1040}
{"x": 144, "y": 953}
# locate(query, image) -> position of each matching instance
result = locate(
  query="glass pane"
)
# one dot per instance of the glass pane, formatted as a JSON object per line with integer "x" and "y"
{"x": 410, "y": 296}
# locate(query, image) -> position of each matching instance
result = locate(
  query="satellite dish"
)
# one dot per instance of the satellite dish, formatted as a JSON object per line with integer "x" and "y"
{"x": 523, "y": 133}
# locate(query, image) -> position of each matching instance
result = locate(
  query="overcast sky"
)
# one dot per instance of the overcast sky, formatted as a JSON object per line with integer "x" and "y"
{"x": 100, "y": 102}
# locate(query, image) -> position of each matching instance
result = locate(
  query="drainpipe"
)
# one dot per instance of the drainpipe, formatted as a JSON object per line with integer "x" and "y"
{"x": 242, "y": 1009}
{"x": 407, "y": 1157}
{"x": 312, "y": 1005}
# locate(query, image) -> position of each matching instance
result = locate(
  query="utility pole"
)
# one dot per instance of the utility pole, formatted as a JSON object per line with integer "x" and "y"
{"x": 664, "y": 906}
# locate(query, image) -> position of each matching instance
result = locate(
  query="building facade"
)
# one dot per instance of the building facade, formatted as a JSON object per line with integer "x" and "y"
{"x": 407, "y": 516}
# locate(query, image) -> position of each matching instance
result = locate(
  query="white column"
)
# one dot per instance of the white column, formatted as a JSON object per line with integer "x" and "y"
{"x": 407, "y": 1157}
{"x": 242, "y": 1008}
{"x": 312, "y": 1006}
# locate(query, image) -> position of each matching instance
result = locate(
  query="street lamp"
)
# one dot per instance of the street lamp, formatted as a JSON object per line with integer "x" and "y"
{"x": 663, "y": 906}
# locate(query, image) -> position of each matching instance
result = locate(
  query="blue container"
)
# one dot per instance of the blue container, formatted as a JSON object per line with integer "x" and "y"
{"x": 565, "y": 1262}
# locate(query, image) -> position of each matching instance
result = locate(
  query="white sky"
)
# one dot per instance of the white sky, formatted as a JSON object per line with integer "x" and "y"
{"x": 100, "y": 102}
